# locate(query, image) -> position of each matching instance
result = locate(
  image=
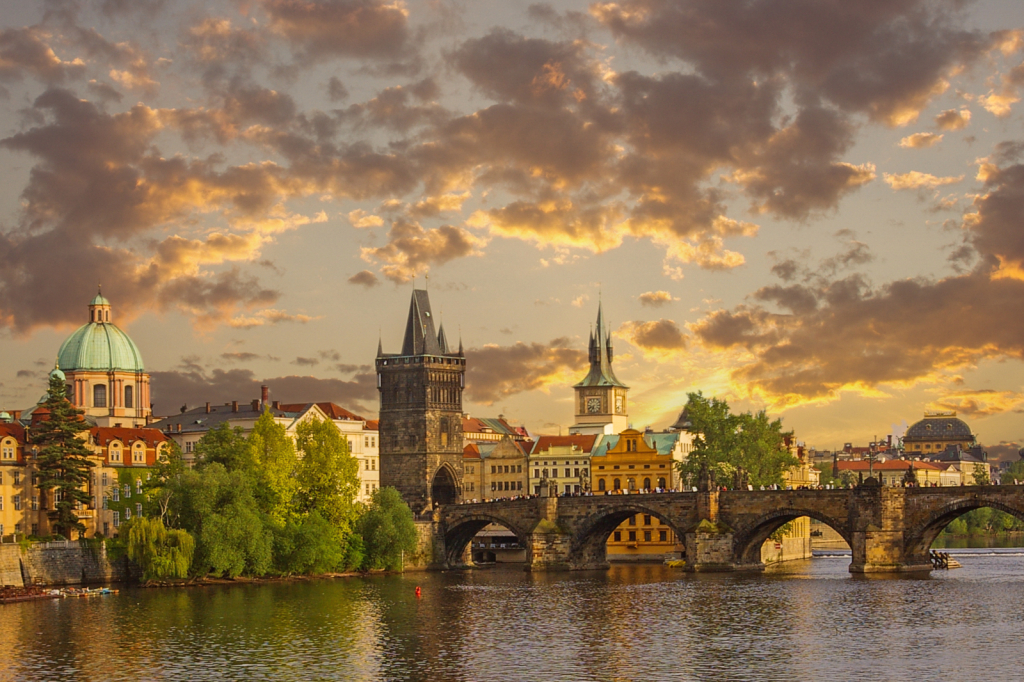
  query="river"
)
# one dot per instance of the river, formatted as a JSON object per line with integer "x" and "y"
{"x": 808, "y": 620}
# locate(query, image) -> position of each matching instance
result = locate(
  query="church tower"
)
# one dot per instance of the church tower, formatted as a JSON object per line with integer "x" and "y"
{"x": 600, "y": 398}
{"x": 421, "y": 412}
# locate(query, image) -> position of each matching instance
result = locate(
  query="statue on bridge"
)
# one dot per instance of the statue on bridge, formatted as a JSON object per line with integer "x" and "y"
{"x": 910, "y": 478}
{"x": 705, "y": 481}
{"x": 740, "y": 479}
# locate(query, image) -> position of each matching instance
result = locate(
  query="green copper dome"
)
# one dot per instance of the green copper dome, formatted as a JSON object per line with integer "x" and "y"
{"x": 99, "y": 345}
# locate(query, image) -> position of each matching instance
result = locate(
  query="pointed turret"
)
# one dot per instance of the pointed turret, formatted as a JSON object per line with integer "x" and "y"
{"x": 442, "y": 340}
{"x": 380, "y": 347}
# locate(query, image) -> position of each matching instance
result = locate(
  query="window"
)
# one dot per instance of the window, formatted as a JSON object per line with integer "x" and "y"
{"x": 138, "y": 508}
{"x": 647, "y": 536}
{"x": 35, "y": 503}
{"x": 8, "y": 450}
{"x": 494, "y": 486}
{"x": 647, "y": 519}
{"x": 647, "y": 484}
{"x": 17, "y": 478}
{"x": 127, "y": 514}
{"x": 600, "y": 484}
{"x": 632, "y": 536}
{"x": 17, "y": 502}
{"x": 104, "y": 479}
{"x": 128, "y": 397}
{"x": 188, "y": 446}
{"x": 519, "y": 485}
{"x": 106, "y": 528}
{"x": 662, "y": 536}
{"x": 632, "y": 520}
{"x": 616, "y": 484}
{"x": 618, "y": 536}
{"x": 567, "y": 473}
{"x": 17, "y": 529}
{"x": 1, "y": 505}
{"x": 115, "y": 452}
{"x": 519, "y": 468}
{"x": 117, "y": 519}
{"x": 494, "y": 469}
{"x": 127, "y": 491}
{"x": 138, "y": 486}
{"x": 138, "y": 453}
{"x": 105, "y": 505}
{"x": 568, "y": 488}
{"x": 367, "y": 465}
{"x": 536, "y": 473}
{"x": 373, "y": 465}
{"x": 116, "y": 493}
{"x": 99, "y": 395}
{"x": 576, "y": 472}
{"x": 661, "y": 483}
{"x": 509, "y": 472}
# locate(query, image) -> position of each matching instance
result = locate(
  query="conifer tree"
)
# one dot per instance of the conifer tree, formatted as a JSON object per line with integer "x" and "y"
{"x": 62, "y": 460}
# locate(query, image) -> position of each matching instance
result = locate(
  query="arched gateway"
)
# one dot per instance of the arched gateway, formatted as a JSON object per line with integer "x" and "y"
{"x": 888, "y": 529}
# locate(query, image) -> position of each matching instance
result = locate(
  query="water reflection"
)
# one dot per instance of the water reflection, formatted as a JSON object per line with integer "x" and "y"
{"x": 805, "y": 620}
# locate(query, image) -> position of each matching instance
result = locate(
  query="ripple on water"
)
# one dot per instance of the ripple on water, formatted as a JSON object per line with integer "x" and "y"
{"x": 805, "y": 621}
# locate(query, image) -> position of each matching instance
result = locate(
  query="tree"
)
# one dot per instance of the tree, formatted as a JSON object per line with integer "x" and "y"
{"x": 1013, "y": 474}
{"x": 327, "y": 475}
{"x": 224, "y": 445}
{"x": 725, "y": 441}
{"x": 62, "y": 462}
{"x": 981, "y": 474}
{"x": 273, "y": 459}
{"x": 308, "y": 546}
{"x": 159, "y": 552}
{"x": 387, "y": 530}
{"x": 159, "y": 487}
{"x": 217, "y": 508}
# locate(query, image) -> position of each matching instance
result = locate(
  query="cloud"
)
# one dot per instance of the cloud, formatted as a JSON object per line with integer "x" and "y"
{"x": 580, "y": 300}
{"x": 305, "y": 362}
{"x": 918, "y": 180}
{"x": 324, "y": 29}
{"x": 266, "y": 317}
{"x": 951, "y": 119}
{"x": 26, "y": 52}
{"x": 239, "y": 356}
{"x": 844, "y": 334}
{"x": 195, "y": 387}
{"x": 411, "y": 250}
{"x": 360, "y": 218}
{"x": 364, "y": 278}
{"x": 980, "y": 403}
{"x": 1004, "y": 451}
{"x": 494, "y": 372}
{"x": 920, "y": 140}
{"x": 661, "y": 338}
{"x": 656, "y": 299}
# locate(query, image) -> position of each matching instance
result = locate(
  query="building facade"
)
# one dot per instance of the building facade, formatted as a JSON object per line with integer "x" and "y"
{"x": 421, "y": 443}
{"x": 563, "y": 461}
{"x": 935, "y": 432}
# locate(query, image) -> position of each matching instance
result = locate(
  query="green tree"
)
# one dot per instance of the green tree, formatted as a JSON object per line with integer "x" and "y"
{"x": 327, "y": 474}
{"x": 981, "y": 475}
{"x": 274, "y": 461}
{"x": 218, "y": 509}
{"x": 160, "y": 486}
{"x": 725, "y": 441}
{"x": 387, "y": 530}
{"x": 224, "y": 445}
{"x": 159, "y": 552}
{"x": 308, "y": 546}
{"x": 62, "y": 462}
{"x": 1013, "y": 474}
{"x": 825, "y": 476}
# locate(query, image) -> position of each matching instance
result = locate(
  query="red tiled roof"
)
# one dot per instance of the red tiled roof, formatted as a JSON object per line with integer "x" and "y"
{"x": 330, "y": 409}
{"x": 105, "y": 434}
{"x": 471, "y": 451}
{"x": 372, "y": 425}
{"x": 13, "y": 429}
{"x": 585, "y": 443}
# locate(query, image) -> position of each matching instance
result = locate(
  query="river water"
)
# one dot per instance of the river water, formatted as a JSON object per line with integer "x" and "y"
{"x": 808, "y": 620}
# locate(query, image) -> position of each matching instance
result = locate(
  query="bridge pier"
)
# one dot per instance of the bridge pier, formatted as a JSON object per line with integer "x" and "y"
{"x": 878, "y": 521}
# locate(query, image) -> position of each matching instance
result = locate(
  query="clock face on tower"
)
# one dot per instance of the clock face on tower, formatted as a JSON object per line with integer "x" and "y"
{"x": 593, "y": 405}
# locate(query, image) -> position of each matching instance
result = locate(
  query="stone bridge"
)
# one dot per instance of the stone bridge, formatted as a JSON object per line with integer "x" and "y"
{"x": 888, "y": 529}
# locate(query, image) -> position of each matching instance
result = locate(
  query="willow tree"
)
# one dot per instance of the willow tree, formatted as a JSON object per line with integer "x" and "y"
{"x": 159, "y": 552}
{"x": 62, "y": 459}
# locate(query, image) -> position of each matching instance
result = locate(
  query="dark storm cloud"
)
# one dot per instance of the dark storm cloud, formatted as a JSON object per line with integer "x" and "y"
{"x": 195, "y": 387}
{"x": 494, "y": 372}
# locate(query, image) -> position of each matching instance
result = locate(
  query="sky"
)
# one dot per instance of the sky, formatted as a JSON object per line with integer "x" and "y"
{"x": 813, "y": 207}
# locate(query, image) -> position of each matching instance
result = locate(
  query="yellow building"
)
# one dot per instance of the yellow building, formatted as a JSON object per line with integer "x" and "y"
{"x": 494, "y": 471}
{"x": 634, "y": 462}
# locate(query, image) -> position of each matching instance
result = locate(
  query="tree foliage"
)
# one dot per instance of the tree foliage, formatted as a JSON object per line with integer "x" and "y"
{"x": 1014, "y": 474}
{"x": 387, "y": 530}
{"x": 308, "y": 546}
{"x": 981, "y": 476}
{"x": 726, "y": 441}
{"x": 327, "y": 475}
{"x": 62, "y": 462}
{"x": 160, "y": 553}
{"x": 223, "y": 445}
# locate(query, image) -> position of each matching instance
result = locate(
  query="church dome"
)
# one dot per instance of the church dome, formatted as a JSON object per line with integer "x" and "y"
{"x": 941, "y": 426}
{"x": 99, "y": 345}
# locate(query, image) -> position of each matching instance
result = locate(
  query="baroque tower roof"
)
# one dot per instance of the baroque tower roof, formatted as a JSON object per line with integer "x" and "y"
{"x": 601, "y": 373}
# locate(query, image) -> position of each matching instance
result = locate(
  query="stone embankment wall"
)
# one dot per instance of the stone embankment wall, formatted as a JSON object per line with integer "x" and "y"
{"x": 61, "y": 563}
{"x": 789, "y": 549}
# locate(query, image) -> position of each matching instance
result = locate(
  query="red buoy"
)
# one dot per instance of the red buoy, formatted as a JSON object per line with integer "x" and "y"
{"x": 417, "y": 591}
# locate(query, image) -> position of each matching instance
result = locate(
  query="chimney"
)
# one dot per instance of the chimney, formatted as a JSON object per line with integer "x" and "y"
{"x": 277, "y": 404}
{"x": 207, "y": 408}
{"x": 234, "y": 406}
{"x": 255, "y": 406}
{"x": 179, "y": 427}
{"x": 16, "y": 414}
{"x": 264, "y": 394}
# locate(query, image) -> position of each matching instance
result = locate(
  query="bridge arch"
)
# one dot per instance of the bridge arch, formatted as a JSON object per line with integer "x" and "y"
{"x": 461, "y": 530}
{"x": 747, "y": 541}
{"x": 588, "y": 546}
{"x": 919, "y": 540}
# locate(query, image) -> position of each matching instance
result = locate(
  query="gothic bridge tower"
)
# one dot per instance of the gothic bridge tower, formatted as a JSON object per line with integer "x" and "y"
{"x": 421, "y": 412}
